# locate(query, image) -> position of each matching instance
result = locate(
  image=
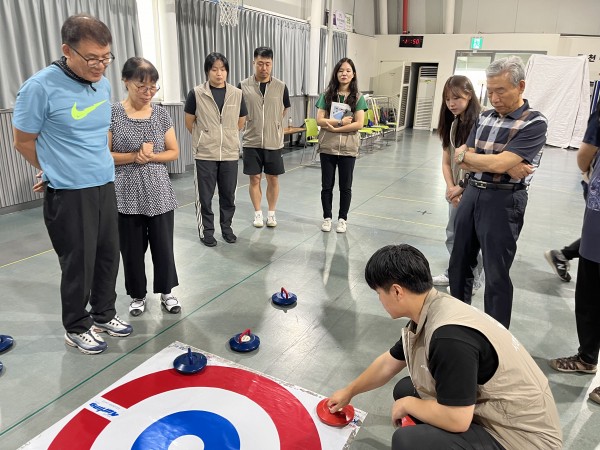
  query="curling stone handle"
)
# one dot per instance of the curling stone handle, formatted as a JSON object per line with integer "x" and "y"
{"x": 247, "y": 331}
{"x": 284, "y": 290}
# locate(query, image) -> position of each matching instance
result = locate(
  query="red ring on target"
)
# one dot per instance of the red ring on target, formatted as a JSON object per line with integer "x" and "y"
{"x": 295, "y": 426}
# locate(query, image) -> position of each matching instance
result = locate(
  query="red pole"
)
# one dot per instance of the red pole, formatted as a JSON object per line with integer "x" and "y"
{"x": 405, "y": 17}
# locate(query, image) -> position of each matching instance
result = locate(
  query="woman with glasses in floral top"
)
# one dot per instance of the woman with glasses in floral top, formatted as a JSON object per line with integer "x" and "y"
{"x": 142, "y": 140}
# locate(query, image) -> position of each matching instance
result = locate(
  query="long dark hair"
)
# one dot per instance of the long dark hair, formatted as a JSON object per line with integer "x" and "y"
{"x": 334, "y": 84}
{"x": 459, "y": 86}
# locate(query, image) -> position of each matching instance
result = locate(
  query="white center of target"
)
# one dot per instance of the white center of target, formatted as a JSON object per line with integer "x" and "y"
{"x": 252, "y": 423}
{"x": 187, "y": 443}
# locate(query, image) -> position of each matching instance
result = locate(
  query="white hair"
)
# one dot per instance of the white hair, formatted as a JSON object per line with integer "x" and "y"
{"x": 513, "y": 65}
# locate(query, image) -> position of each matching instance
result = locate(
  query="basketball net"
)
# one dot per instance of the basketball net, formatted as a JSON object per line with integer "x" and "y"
{"x": 229, "y": 11}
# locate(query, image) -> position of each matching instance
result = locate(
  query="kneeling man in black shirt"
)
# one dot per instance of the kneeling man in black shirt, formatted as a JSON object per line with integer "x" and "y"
{"x": 472, "y": 385}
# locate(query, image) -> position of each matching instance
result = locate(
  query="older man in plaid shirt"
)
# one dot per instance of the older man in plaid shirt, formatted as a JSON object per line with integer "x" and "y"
{"x": 502, "y": 152}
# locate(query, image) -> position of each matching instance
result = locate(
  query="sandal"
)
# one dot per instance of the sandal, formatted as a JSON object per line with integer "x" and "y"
{"x": 572, "y": 364}
{"x": 170, "y": 303}
{"x": 137, "y": 306}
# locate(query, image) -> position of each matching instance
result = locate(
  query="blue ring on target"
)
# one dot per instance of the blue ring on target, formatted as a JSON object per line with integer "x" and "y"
{"x": 215, "y": 431}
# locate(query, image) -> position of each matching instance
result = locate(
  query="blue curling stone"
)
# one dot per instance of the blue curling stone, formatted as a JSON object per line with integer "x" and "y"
{"x": 6, "y": 342}
{"x": 284, "y": 298}
{"x": 190, "y": 362}
{"x": 244, "y": 342}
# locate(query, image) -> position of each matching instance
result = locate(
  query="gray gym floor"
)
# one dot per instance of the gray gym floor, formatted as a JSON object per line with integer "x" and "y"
{"x": 338, "y": 326}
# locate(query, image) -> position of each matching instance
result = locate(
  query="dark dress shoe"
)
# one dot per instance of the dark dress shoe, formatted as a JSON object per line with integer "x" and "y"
{"x": 209, "y": 241}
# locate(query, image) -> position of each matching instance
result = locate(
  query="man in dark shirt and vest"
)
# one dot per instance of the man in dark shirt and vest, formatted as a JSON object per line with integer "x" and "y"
{"x": 501, "y": 154}
{"x": 472, "y": 384}
{"x": 267, "y": 100}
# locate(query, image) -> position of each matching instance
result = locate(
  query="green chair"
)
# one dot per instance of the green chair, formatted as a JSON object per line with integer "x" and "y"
{"x": 311, "y": 135}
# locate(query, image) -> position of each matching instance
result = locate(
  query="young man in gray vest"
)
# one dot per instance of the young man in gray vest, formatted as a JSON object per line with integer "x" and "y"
{"x": 267, "y": 100}
{"x": 472, "y": 385}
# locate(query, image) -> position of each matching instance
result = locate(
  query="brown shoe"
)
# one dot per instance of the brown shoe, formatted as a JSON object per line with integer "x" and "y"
{"x": 595, "y": 395}
{"x": 572, "y": 364}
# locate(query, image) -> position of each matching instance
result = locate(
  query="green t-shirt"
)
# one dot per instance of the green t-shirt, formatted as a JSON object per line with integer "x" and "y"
{"x": 361, "y": 104}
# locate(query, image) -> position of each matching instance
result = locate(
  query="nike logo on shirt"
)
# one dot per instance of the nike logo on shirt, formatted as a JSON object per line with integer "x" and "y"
{"x": 78, "y": 115}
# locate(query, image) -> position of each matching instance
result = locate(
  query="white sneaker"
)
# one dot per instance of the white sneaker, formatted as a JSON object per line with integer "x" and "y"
{"x": 271, "y": 221}
{"x": 341, "y": 226}
{"x": 326, "y": 225}
{"x": 170, "y": 303}
{"x": 441, "y": 280}
{"x": 258, "y": 219}
{"x": 116, "y": 327}
{"x": 137, "y": 306}
{"x": 88, "y": 342}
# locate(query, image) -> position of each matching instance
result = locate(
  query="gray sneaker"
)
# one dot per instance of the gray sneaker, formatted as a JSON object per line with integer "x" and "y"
{"x": 88, "y": 342}
{"x": 116, "y": 327}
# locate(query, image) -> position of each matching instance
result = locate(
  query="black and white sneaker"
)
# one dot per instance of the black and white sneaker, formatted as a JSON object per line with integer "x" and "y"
{"x": 170, "y": 303}
{"x": 88, "y": 342}
{"x": 137, "y": 306}
{"x": 559, "y": 264}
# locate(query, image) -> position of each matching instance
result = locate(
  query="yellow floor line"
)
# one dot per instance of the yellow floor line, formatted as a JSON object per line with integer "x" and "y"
{"x": 239, "y": 187}
{"x": 25, "y": 259}
{"x": 399, "y": 220}
{"x": 408, "y": 199}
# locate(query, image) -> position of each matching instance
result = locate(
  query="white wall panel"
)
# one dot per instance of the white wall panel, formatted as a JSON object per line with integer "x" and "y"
{"x": 465, "y": 16}
{"x": 578, "y": 17}
{"x": 537, "y": 16}
{"x": 293, "y": 8}
{"x": 497, "y": 17}
{"x": 364, "y": 17}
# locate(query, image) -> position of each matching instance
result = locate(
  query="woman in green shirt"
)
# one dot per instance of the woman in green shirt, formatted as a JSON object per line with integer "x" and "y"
{"x": 340, "y": 115}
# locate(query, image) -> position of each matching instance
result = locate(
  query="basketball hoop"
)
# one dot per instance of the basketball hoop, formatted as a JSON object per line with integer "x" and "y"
{"x": 229, "y": 11}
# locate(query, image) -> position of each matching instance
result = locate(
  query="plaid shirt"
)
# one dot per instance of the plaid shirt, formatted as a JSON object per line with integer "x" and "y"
{"x": 522, "y": 132}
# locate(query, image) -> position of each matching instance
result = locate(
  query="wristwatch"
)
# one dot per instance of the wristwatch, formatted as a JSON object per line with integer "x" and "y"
{"x": 340, "y": 124}
{"x": 461, "y": 156}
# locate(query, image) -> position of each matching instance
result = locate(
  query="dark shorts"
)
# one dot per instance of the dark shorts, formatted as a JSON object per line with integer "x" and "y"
{"x": 258, "y": 160}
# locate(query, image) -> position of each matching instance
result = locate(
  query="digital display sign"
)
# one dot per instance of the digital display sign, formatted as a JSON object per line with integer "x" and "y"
{"x": 411, "y": 41}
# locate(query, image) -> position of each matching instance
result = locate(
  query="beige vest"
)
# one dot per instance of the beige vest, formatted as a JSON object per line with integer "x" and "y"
{"x": 339, "y": 144}
{"x": 215, "y": 136}
{"x": 515, "y": 405}
{"x": 264, "y": 127}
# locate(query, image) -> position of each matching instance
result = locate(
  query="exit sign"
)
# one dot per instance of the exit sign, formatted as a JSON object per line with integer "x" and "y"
{"x": 476, "y": 43}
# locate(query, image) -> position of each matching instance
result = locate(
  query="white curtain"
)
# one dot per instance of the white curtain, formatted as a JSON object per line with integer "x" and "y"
{"x": 338, "y": 51}
{"x": 199, "y": 33}
{"x": 559, "y": 87}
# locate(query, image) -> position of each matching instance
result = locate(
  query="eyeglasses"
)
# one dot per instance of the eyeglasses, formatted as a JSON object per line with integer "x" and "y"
{"x": 145, "y": 89}
{"x": 93, "y": 62}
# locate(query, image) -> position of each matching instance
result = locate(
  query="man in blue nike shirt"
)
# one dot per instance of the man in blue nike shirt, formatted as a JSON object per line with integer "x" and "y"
{"x": 61, "y": 120}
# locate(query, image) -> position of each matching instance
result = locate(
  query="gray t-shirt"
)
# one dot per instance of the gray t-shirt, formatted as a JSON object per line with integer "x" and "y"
{"x": 590, "y": 234}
